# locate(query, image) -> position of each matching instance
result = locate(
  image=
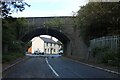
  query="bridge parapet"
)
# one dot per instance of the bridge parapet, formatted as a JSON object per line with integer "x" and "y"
{"x": 40, "y": 22}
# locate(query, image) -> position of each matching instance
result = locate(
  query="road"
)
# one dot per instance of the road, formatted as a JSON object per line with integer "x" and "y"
{"x": 40, "y": 67}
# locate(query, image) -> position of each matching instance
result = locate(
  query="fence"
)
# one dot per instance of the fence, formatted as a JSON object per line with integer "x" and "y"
{"x": 107, "y": 41}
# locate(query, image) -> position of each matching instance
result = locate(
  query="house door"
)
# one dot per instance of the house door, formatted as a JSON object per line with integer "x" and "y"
{"x": 51, "y": 50}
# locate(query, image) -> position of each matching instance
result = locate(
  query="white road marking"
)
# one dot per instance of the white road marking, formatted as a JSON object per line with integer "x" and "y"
{"x": 51, "y": 67}
{"x": 114, "y": 72}
{"x": 12, "y": 65}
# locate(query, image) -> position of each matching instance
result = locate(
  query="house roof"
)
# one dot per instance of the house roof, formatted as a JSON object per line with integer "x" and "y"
{"x": 48, "y": 40}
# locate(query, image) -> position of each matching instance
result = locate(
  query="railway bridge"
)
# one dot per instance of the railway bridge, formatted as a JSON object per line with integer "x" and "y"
{"x": 65, "y": 31}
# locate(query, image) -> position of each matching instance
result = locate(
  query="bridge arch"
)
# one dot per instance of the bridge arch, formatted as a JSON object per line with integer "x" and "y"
{"x": 48, "y": 31}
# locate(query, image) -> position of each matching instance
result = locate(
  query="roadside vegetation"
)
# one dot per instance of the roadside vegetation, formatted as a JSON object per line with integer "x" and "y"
{"x": 11, "y": 57}
{"x": 106, "y": 56}
{"x": 12, "y": 47}
{"x": 96, "y": 20}
{"x": 12, "y": 30}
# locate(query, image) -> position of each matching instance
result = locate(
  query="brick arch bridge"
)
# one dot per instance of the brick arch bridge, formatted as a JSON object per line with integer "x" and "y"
{"x": 73, "y": 44}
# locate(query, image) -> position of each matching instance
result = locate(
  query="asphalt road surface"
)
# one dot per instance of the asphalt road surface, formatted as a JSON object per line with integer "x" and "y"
{"x": 39, "y": 67}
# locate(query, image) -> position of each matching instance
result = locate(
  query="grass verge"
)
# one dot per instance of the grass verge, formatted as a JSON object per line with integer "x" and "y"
{"x": 11, "y": 57}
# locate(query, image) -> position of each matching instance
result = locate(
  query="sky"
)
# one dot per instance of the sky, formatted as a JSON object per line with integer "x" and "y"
{"x": 47, "y": 36}
{"x": 43, "y": 8}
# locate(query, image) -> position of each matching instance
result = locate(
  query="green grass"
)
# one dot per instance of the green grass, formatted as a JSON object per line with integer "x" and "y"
{"x": 11, "y": 57}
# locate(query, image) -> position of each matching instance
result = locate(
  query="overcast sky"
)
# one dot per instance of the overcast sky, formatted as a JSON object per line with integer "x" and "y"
{"x": 42, "y": 8}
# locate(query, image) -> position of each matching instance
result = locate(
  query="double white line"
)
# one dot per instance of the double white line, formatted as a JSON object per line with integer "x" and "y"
{"x": 51, "y": 67}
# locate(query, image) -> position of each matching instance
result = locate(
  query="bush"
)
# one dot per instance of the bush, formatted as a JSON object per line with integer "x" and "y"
{"x": 11, "y": 56}
{"x": 106, "y": 55}
{"x": 17, "y": 47}
{"x": 97, "y": 50}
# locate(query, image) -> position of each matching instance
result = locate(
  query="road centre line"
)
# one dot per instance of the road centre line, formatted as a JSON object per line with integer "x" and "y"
{"x": 51, "y": 67}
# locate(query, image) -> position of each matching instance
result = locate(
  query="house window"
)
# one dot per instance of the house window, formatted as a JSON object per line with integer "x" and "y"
{"x": 46, "y": 44}
{"x": 54, "y": 50}
{"x": 51, "y": 44}
{"x": 45, "y": 50}
{"x": 48, "y": 50}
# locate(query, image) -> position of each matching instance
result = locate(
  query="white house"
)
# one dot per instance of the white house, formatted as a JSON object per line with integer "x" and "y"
{"x": 46, "y": 45}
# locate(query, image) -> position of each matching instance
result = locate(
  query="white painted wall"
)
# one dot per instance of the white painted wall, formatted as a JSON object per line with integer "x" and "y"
{"x": 48, "y": 48}
{"x": 37, "y": 44}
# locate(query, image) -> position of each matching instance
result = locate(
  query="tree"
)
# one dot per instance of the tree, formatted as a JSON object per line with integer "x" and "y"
{"x": 8, "y": 34}
{"x": 9, "y": 7}
{"x": 12, "y": 28}
{"x": 98, "y": 19}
